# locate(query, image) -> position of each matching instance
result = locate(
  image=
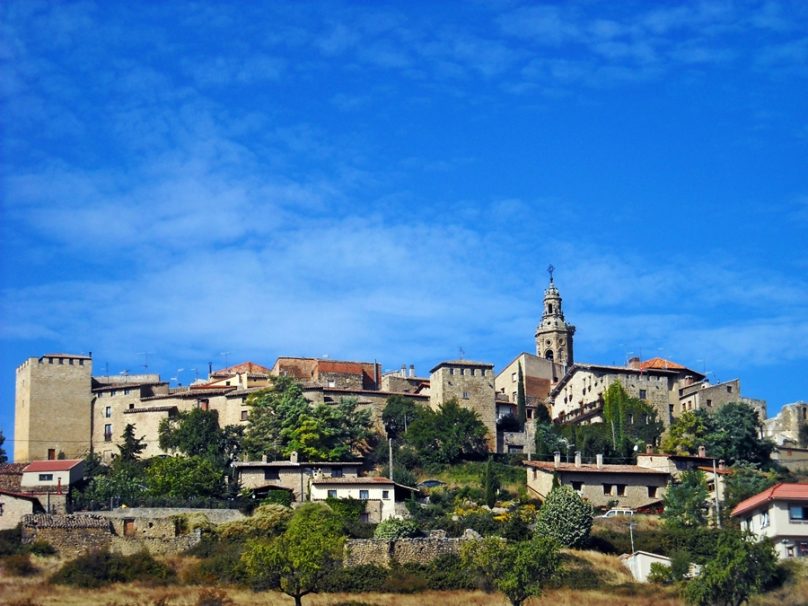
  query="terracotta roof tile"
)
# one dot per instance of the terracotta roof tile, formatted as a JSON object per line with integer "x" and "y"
{"x": 248, "y": 367}
{"x": 57, "y": 465}
{"x": 589, "y": 468}
{"x": 661, "y": 363}
{"x": 778, "y": 492}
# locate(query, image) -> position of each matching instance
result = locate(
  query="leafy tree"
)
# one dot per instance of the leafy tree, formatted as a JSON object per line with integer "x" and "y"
{"x": 508, "y": 422}
{"x": 687, "y": 432}
{"x": 746, "y": 480}
{"x": 521, "y": 400}
{"x": 519, "y": 570}
{"x": 398, "y": 413}
{"x": 3, "y": 456}
{"x": 490, "y": 483}
{"x": 396, "y": 528}
{"x": 542, "y": 414}
{"x": 548, "y": 439}
{"x": 184, "y": 477}
{"x": 282, "y": 421}
{"x": 686, "y": 501}
{"x": 448, "y": 434}
{"x": 195, "y": 433}
{"x": 565, "y": 516}
{"x": 298, "y": 560}
{"x": 740, "y": 568}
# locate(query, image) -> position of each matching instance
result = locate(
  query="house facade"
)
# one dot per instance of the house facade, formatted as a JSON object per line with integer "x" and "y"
{"x": 383, "y": 498}
{"x": 779, "y": 513}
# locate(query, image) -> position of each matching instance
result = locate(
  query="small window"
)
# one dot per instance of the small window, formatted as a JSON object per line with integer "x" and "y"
{"x": 385, "y": 494}
{"x": 364, "y": 517}
{"x": 363, "y": 495}
{"x": 764, "y": 519}
{"x": 332, "y": 383}
{"x": 607, "y": 489}
{"x": 643, "y": 394}
{"x": 465, "y": 395}
{"x": 108, "y": 412}
{"x": 332, "y": 493}
{"x": 336, "y": 472}
{"x": 652, "y": 492}
{"x": 50, "y": 360}
{"x": 131, "y": 407}
{"x": 61, "y": 360}
{"x": 577, "y": 486}
{"x": 81, "y": 362}
{"x": 729, "y": 388}
{"x": 271, "y": 474}
{"x": 513, "y": 376}
{"x": 709, "y": 402}
{"x": 126, "y": 392}
{"x": 462, "y": 372}
{"x": 245, "y": 414}
{"x": 46, "y": 477}
{"x": 108, "y": 432}
{"x": 621, "y": 490}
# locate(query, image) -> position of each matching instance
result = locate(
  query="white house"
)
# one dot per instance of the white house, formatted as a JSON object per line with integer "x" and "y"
{"x": 58, "y": 474}
{"x": 639, "y": 563}
{"x": 780, "y": 513}
{"x": 381, "y": 495}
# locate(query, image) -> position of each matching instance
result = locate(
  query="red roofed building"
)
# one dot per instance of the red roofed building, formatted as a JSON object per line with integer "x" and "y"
{"x": 56, "y": 475}
{"x": 781, "y": 514}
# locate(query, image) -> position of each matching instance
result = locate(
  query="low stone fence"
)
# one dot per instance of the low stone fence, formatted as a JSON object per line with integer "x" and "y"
{"x": 70, "y": 535}
{"x": 384, "y": 553}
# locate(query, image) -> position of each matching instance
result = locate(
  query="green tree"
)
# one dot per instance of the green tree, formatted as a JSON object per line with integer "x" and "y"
{"x": 298, "y": 560}
{"x": 283, "y": 421}
{"x": 565, "y": 516}
{"x": 130, "y": 447}
{"x": 398, "y": 413}
{"x": 686, "y": 501}
{"x": 735, "y": 436}
{"x": 490, "y": 483}
{"x": 184, "y": 477}
{"x": 542, "y": 414}
{"x": 396, "y": 528}
{"x": 195, "y": 433}
{"x": 688, "y": 432}
{"x": 3, "y": 456}
{"x": 448, "y": 434}
{"x": 521, "y": 400}
{"x": 740, "y": 568}
{"x": 746, "y": 480}
{"x": 519, "y": 570}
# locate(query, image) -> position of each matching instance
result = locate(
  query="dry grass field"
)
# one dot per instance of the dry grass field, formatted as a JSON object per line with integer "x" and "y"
{"x": 617, "y": 590}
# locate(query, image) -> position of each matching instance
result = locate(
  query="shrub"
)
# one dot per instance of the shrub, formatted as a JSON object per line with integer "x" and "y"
{"x": 279, "y": 497}
{"x": 396, "y": 528}
{"x": 213, "y": 597}
{"x": 19, "y": 565}
{"x": 221, "y": 563}
{"x": 41, "y": 548}
{"x": 267, "y": 520}
{"x": 660, "y": 574}
{"x": 10, "y": 541}
{"x": 565, "y": 516}
{"x": 357, "y": 579}
{"x": 99, "y": 568}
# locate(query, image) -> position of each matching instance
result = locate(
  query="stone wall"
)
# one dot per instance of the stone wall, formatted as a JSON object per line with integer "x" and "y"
{"x": 379, "y": 552}
{"x": 70, "y": 535}
{"x": 472, "y": 385}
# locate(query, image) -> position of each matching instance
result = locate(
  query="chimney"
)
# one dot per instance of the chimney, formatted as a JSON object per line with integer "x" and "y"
{"x": 403, "y": 370}
{"x": 720, "y": 463}
{"x": 649, "y": 449}
{"x": 556, "y": 458}
{"x": 702, "y": 451}
{"x": 599, "y": 461}
{"x": 263, "y": 458}
{"x": 688, "y": 380}
{"x": 293, "y": 457}
{"x": 577, "y": 458}
{"x": 412, "y": 370}
{"x": 634, "y": 363}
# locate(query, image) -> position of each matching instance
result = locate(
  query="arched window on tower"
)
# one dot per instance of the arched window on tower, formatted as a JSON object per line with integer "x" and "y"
{"x": 549, "y": 308}
{"x": 549, "y": 354}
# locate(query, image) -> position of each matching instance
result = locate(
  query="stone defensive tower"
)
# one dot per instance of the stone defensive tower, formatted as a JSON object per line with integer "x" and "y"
{"x": 472, "y": 385}
{"x": 553, "y": 334}
{"x": 52, "y": 407}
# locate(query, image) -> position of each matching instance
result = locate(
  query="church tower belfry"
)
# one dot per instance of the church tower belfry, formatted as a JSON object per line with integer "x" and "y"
{"x": 553, "y": 334}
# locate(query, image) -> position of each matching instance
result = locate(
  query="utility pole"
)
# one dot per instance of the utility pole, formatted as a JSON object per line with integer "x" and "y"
{"x": 715, "y": 494}
{"x": 390, "y": 444}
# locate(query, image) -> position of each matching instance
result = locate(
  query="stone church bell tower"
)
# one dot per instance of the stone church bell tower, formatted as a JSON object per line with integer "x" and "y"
{"x": 553, "y": 334}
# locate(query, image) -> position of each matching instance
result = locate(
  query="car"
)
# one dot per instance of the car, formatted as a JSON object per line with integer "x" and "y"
{"x": 618, "y": 511}
{"x": 431, "y": 483}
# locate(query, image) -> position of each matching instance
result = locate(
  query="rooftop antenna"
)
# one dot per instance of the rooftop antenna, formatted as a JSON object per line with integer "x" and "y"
{"x": 462, "y": 353}
{"x": 226, "y": 355}
{"x": 145, "y": 355}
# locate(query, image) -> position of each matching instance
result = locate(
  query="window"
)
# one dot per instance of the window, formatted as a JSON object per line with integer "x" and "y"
{"x": 46, "y": 477}
{"x": 621, "y": 490}
{"x": 643, "y": 394}
{"x": 607, "y": 489}
{"x": 798, "y": 513}
{"x": 131, "y": 407}
{"x": 363, "y": 495}
{"x": 126, "y": 392}
{"x": 513, "y": 376}
{"x": 332, "y": 383}
{"x": 462, "y": 371}
{"x": 764, "y": 519}
{"x": 108, "y": 412}
{"x": 271, "y": 474}
{"x": 465, "y": 395}
{"x": 385, "y": 494}
{"x": 81, "y": 362}
{"x": 729, "y": 388}
{"x": 244, "y": 415}
{"x": 108, "y": 432}
{"x": 709, "y": 402}
{"x": 652, "y": 492}
{"x": 332, "y": 494}
{"x": 577, "y": 486}
{"x": 336, "y": 472}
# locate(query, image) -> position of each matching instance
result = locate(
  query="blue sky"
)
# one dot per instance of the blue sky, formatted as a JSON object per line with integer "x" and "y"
{"x": 390, "y": 180}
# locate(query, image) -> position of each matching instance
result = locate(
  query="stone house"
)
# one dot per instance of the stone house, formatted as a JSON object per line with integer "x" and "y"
{"x": 603, "y": 485}
{"x": 539, "y": 375}
{"x": 383, "y": 498}
{"x": 330, "y": 373}
{"x": 784, "y": 429}
{"x": 13, "y": 506}
{"x": 263, "y": 476}
{"x": 781, "y": 514}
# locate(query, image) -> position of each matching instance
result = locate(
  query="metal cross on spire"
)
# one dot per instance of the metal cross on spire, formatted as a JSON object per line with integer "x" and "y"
{"x": 550, "y": 270}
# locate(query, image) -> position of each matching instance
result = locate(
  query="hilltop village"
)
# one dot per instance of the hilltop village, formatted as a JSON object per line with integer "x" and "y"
{"x": 420, "y": 470}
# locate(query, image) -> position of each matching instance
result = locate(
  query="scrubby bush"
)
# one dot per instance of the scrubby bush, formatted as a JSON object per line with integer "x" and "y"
{"x": 220, "y": 563}
{"x": 660, "y": 574}
{"x": 356, "y": 579}
{"x": 396, "y": 528}
{"x": 213, "y": 597}
{"x": 19, "y": 565}
{"x": 565, "y": 516}
{"x": 100, "y": 568}
{"x": 267, "y": 520}
{"x": 10, "y": 541}
{"x": 41, "y": 548}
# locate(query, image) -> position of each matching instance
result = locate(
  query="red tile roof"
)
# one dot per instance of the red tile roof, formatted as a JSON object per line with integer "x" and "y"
{"x": 357, "y": 481}
{"x": 589, "y": 468}
{"x": 778, "y": 492}
{"x": 248, "y": 367}
{"x": 57, "y": 465}
{"x": 661, "y": 363}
